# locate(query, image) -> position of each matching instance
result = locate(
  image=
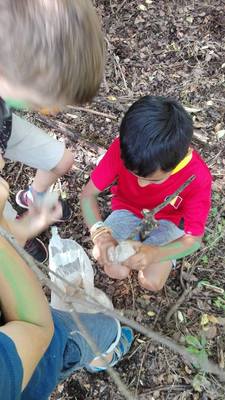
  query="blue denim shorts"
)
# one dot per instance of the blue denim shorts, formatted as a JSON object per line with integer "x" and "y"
{"x": 104, "y": 331}
{"x": 123, "y": 222}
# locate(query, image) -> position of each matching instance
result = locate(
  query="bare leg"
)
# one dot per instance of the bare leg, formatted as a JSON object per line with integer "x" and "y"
{"x": 44, "y": 179}
{"x": 155, "y": 276}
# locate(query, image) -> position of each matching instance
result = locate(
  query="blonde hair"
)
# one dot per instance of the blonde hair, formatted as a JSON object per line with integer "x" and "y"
{"x": 54, "y": 47}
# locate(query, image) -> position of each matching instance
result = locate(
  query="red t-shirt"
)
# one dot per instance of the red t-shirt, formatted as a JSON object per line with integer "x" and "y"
{"x": 192, "y": 205}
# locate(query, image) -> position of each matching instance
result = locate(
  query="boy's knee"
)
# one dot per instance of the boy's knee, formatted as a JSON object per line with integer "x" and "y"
{"x": 153, "y": 284}
{"x": 64, "y": 164}
{"x": 116, "y": 271}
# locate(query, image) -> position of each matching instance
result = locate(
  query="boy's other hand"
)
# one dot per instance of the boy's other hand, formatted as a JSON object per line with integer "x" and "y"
{"x": 143, "y": 258}
{"x": 101, "y": 245}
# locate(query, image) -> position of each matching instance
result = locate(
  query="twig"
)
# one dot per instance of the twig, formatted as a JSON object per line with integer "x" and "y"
{"x": 180, "y": 388}
{"x": 220, "y": 352}
{"x": 181, "y": 276}
{"x": 140, "y": 368}
{"x": 121, "y": 6}
{"x": 148, "y": 222}
{"x": 186, "y": 293}
{"x": 89, "y": 110}
{"x": 19, "y": 173}
{"x": 132, "y": 291}
{"x": 200, "y": 138}
{"x": 116, "y": 58}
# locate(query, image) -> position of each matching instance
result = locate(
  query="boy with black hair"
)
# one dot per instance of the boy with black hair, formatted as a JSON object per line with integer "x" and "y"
{"x": 149, "y": 162}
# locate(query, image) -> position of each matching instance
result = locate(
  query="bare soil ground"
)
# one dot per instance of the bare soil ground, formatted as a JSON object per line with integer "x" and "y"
{"x": 172, "y": 48}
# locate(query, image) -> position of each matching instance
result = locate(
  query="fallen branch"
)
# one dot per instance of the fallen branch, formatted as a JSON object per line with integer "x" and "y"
{"x": 169, "y": 388}
{"x": 89, "y": 110}
{"x": 69, "y": 302}
{"x": 206, "y": 365}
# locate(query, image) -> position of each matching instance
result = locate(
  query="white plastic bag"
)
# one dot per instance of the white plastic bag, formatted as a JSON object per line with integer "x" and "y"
{"x": 69, "y": 260}
{"x": 121, "y": 252}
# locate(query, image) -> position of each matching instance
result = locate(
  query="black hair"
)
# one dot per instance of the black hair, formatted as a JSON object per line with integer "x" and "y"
{"x": 155, "y": 133}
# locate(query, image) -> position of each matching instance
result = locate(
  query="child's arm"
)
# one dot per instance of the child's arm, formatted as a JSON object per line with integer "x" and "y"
{"x": 89, "y": 204}
{"x": 91, "y": 214}
{"x": 148, "y": 254}
{"x": 26, "y": 313}
{"x": 23, "y": 304}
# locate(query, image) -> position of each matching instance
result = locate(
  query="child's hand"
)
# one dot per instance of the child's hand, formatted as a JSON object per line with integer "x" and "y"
{"x": 143, "y": 258}
{"x": 39, "y": 218}
{"x": 101, "y": 246}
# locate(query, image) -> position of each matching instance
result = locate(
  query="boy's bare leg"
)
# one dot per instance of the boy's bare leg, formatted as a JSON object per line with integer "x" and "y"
{"x": 44, "y": 179}
{"x": 155, "y": 276}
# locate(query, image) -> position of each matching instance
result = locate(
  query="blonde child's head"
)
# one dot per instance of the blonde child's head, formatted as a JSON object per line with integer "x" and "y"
{"x": 52, "y": 51}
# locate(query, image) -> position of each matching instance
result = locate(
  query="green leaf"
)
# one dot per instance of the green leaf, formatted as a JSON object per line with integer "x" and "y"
{"x": 219, "y": 302}
{"x": 205, "y": 259}
{"x": 203, "y": 341}
{"x": 193, "y": 350}
{"x": 214, "y": 211}
{"x": 219, "y": 228}
{"x": 193, "y": 341}
{"x": 203, "y": 357}
{"x": 200, "y": 382}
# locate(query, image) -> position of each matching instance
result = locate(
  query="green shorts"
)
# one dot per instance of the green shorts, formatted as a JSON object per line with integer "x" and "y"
{"x": 31, "y": 146}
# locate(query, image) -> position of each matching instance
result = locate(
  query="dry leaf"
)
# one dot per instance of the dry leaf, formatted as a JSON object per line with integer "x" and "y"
{"x": 111, "y": 98}
{"x": 199, "y": 124}
{"x": 151, "y": 313}
{"x": 180, "y": 316}
{"x": 192, "y": 109}
{"x": 190, "y": 19}
{"x": 210, "y": 332}
{"x": 214, "y": 320}
{"x": 188, "y": 370}
{"x": 221, "y": 321}
{"x": 142, "y": 7}
{"x": 204, "y": 320}
{"x": 218, "y": 127}
{"x": 221, "y": 133}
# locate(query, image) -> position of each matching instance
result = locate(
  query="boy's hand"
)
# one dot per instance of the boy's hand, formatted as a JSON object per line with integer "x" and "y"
{"x": 143, "y": 258}
{"x": 40, "y": 218}
{"x": 101, "y": 245}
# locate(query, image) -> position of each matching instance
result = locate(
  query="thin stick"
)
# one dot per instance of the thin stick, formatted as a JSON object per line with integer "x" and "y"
{"x": 148, "y": 220}
{"x": 90, "y": 111}
{"x": 186, "y": 293}
{"x": 19, "y": 173}
{"x": 140, "y": 369}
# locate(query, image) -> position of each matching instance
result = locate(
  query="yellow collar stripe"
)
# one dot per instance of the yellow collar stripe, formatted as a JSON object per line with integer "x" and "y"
{"x": 182, "y": 164}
